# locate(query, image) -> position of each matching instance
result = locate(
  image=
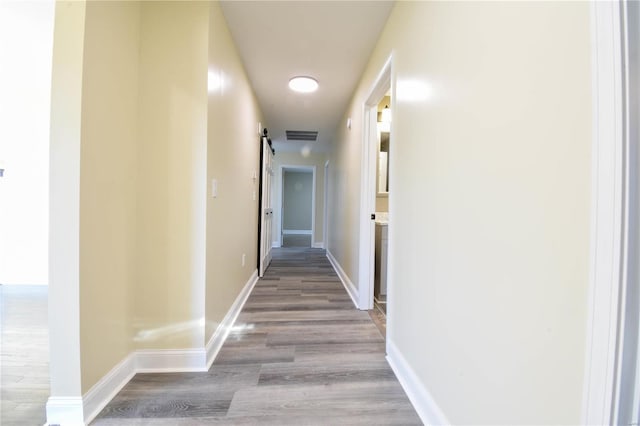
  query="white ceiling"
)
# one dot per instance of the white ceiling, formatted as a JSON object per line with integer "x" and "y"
{"x": 328, "y": 40}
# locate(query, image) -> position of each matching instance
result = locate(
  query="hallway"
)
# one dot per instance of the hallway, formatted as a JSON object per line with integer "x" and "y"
{"x": 300, "y": 353}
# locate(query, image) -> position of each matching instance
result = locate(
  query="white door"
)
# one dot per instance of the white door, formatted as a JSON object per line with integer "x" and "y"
{"x": 266, "y": 209}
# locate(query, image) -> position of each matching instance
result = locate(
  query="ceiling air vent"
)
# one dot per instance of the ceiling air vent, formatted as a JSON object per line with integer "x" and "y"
{"x": 301, "y": 135}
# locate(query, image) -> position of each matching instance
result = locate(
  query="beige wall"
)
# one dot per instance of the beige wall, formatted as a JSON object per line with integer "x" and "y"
{"x": 490, "y": 162}
{"x": 108, "y": 185}
{"x": 233, "y": 156}
{"x": 172, "y": 150}
{"x": 64, "y": 200}
{"x": 316, "y": 160}
{"x": 382, "y": 203}
{"x": 140, "y": 256}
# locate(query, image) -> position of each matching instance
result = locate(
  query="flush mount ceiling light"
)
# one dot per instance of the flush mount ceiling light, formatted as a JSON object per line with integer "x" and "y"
{"x": 303, "y": 84}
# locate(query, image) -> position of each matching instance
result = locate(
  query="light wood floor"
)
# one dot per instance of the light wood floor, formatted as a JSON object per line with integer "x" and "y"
{"x": 301, "y": 355}
{"x": 24, "y": 355}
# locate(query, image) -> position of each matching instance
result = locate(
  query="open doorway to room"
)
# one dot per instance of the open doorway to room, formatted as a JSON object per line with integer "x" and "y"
{"x": 298, "y": 206}
{"x": 26, "y": 49}
{"x": 374, "y": 288}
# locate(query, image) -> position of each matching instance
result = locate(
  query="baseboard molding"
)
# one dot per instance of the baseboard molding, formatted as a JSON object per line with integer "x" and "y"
{"x": 222, "y": 331}
{"x": 74, "y": 411}
{"x": 102, "y": 392}
{"x": 319, "y": 245}
{"x": 170, "y": 360}
{"x": 420, "y": 397}
{"x": 297, "y": 231}
{"x": 67, "y": 411}
{"x": 346, "y": 282}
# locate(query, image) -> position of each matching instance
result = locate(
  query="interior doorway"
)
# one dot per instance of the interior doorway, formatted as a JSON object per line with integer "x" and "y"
{"x": 298, "y": 206}
{"x": 375, "y": 287}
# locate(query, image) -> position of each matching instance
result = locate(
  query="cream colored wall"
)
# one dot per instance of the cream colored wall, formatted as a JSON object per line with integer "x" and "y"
{"x": 171, "y": 219}
{"x": 490, "y": 194}
{"x": 108, "y": 185}
{"x": 233, "y": 156}
{"x": 382, "y": 204}
{"x": 298, "y": 159}
{"x": 64, "y": 201}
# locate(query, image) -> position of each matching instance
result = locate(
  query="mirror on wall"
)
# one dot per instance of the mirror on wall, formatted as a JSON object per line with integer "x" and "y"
{"x": 384, "y": 138}
{"x": 383, "y": 163}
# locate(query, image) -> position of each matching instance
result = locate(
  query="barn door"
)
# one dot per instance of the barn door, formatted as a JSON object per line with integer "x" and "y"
{"x": 266, "y": 209}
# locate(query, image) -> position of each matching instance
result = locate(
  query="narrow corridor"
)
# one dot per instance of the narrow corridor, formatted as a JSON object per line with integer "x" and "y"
{"x": 300, "y": 353}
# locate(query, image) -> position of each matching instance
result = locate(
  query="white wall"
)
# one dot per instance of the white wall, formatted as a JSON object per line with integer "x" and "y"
{"x": 26, "y": 50}
{"x": 489, "y": 201}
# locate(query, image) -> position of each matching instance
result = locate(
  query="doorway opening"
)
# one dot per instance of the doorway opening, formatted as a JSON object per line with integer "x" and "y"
{"x": 377, "y": 177}
{"x": 298, "y": 196}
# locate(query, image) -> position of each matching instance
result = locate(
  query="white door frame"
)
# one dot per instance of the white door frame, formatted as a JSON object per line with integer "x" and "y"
{"x": 295, "y": 168}
{"x": 325, "y": 217}
{"x": 609, "y": 258}
{"x": 381, "y": 86}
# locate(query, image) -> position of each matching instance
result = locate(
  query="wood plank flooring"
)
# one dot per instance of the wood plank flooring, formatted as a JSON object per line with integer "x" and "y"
{"x": 301, "y": 355}
{"x": 24, "y": 355}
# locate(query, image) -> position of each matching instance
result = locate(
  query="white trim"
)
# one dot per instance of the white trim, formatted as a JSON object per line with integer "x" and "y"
{"x": 318, "y": 244}
{"x": 170, "y": 360}
{"x": 422, "y": 400}
{"x": 607, "y": 231}
{"x": 222, "y": 331}
{"x": 344, "y": 278}
{"x": 368, "y": 185}
{"x": 325, "y": 213}
{"x": 276, "y": 244}
{"x": 107, "y": 387}
{"x": 297, "y": 232}
{"x": 65, "y": 411}
{"x": 69, "y": 410}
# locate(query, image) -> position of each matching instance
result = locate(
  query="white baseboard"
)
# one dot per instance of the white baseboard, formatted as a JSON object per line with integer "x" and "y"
{"x": 102, "y": 392}
{"x": 72, "y": 411}
{"x": 276, "y": 244}
{"x": 297, "y": 231}
{"x": 67, "y": 411}
{"x": 170, "y": 360}
{"x": 346, "y": 282}
{"x": 420, "y": 397}
{"x": 318, "y": 245}
{"x": 222, "y": 331}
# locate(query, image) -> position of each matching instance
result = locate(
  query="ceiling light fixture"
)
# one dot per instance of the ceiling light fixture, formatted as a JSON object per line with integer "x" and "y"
{"x": 303, "y": 84}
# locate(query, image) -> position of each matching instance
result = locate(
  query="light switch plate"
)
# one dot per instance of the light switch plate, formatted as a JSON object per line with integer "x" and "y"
{"x": 214, "y": 188}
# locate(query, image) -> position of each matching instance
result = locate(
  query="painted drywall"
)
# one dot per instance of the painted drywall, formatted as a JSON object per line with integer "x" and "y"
{"x": 233, "y": 156}
{"x": 490, "y": 194}
{"x": 382, "y": 203}
{"x": 108, "y": 177}
{"x": 26, "y": 43}
{"x": 293, "y": 159}
{"x": 64, "y": 202}
{"x": 297, "y": 198}
{"x": 172, "y": 166}
{"x": 135, "y": 137}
